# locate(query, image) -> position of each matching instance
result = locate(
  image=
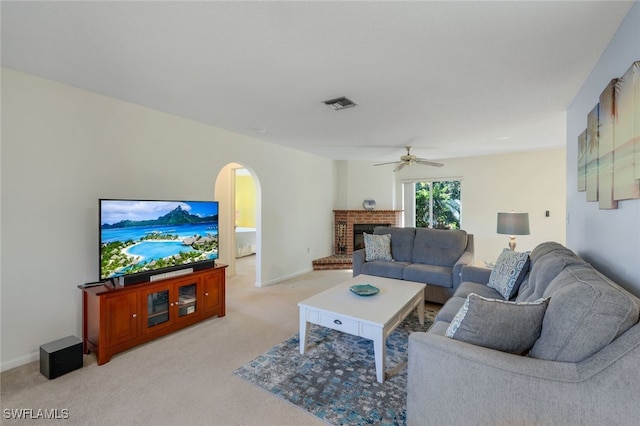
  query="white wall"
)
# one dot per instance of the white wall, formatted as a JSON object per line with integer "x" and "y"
{"x": 532, "y": 182}
{"x": 358, "y": 180}
{"x": 63, "y": 148}
{"x": 609, "y": 239}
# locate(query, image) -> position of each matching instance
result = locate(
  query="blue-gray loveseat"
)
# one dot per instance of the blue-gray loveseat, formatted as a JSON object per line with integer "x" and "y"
{"x": 431, "y": 256}
{"x": 580, "y": 366}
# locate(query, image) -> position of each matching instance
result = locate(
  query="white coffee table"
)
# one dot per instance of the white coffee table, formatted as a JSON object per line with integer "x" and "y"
{"x": 372, "y": 317}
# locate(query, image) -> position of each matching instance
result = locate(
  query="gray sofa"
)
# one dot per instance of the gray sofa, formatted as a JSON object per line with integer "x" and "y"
{"x": 584, "y": 368}
{"x": 431, "y": 256}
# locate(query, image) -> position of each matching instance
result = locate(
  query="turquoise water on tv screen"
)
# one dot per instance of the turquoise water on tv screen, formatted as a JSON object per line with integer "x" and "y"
{"x": 138, "y": 232}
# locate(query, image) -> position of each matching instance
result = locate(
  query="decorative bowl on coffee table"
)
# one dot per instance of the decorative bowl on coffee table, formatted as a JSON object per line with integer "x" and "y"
{"x": 364, "y": 289}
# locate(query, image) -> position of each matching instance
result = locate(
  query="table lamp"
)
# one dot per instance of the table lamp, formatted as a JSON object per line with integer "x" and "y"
{"x": 513, "y": 224}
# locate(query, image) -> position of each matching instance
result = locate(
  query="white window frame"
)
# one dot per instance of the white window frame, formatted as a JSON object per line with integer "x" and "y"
{"x": 409, "y": 198}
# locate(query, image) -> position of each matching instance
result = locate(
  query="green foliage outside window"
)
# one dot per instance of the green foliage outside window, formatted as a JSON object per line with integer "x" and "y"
{"x": 446, "y": 204}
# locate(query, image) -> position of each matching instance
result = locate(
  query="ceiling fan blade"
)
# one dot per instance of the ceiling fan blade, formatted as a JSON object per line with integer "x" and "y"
{"x": 428, "y": 163}
{"x": 400, "y": 166}
{"x": 408, "y": 160}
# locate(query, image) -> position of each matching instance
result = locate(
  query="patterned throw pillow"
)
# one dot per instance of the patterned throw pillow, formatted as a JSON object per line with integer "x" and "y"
{"x": 509, "y": 272}
{"x": 377, "y": 247}
{"x": 498, "y": 324}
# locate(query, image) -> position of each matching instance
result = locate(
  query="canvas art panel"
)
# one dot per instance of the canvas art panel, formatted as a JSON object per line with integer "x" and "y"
{"x": 592, "y": 155}
{"x": 636, "y": 117}
{"x": 625, "y": 184}
{"x": 606, "y": 137}
{"x": 582, "y": 161}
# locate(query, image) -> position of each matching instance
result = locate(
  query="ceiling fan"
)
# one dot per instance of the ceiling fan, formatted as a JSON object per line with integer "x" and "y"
{"x": 410, "y": 159}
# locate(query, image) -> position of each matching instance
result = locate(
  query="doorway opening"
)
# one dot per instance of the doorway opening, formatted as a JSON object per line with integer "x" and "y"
{"x": 238, "y": 191}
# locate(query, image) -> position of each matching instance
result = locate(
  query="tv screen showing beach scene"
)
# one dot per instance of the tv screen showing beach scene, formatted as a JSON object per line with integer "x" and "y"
{"x": 141, "y": 236}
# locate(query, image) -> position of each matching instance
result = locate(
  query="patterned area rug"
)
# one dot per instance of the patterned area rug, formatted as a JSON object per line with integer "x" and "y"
{"x": 335, "y": 380}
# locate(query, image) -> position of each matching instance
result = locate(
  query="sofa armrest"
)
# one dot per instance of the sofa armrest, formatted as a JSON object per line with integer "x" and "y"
{"x": 454, "y": 382}
{"x": 357, "y": 259}
{"x": 475, "y": 274}
{"x": 465, "y": 259}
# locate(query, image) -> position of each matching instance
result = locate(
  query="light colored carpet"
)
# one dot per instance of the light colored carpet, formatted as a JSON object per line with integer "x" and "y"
{"x": 185, "y": 378}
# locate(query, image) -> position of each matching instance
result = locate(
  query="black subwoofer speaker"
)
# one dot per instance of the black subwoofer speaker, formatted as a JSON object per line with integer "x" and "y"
{"x": 60, "y": 357}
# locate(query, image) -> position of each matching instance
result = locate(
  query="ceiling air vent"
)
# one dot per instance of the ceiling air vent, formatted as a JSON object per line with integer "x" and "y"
{"x": 340, "y": 103}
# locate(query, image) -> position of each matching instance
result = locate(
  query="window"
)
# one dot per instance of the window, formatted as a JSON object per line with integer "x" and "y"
{"x": 433, "y": 204}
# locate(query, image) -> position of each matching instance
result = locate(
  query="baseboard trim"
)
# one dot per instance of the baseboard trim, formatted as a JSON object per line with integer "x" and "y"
{"x": 19, "y": 362}
{"x": 283, "y": 278}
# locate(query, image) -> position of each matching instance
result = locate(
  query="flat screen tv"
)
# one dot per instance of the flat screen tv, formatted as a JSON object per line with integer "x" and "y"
{"x": 143, "y": 238}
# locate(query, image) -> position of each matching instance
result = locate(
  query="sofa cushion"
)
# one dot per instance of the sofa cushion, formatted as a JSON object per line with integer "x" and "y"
{"x": 384, "y": 268}
{"x": 377, "y": 247}
{"x": 450, "y": 309}
{"x": 442, "y": 247}
{"x": 543, "y": 270}
{"x": 439, "y": 328}
{"x": 442, "y": 276}
{"x": 586, "y": 312}
{"x": 498, "y": 324}
{"x": 508, "y": 272}
{"x": 401, "y": 241}
{"x": 468, "y": 287}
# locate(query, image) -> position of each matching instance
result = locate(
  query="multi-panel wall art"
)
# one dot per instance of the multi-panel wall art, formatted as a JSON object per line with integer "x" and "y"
{"x": 609, "y": 148}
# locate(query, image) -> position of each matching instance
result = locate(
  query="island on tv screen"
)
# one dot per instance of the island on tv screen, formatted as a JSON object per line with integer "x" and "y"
{"x": 142, "y": 236}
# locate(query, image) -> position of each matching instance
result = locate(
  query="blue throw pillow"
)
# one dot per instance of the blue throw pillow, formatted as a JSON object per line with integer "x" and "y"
{"x": 509, "y": 272}
{"x": 377, "y": 247}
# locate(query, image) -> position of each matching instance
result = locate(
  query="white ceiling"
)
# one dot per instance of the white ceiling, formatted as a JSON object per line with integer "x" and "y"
{"x": 451, "y": 78}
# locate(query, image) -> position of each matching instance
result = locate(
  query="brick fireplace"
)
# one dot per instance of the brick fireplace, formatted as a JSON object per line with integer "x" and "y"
{"x": 359, "y": 229}
{"x": 344, "y": 236}
{"x": 345, "y": 219}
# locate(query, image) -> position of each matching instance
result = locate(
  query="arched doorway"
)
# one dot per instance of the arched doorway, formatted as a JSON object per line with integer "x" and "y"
{"x": 237, "y": 189}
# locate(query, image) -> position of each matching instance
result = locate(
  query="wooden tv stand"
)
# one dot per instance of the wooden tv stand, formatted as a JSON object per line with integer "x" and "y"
{"x": 121, "y": 317}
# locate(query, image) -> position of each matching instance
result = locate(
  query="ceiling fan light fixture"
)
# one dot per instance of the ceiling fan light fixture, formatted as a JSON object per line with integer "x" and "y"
{"x": 408, "y": 160}
{"x": 340, "y": 103}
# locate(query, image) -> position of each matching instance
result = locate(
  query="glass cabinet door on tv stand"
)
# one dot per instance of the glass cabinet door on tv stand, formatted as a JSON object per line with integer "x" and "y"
{"x": 157, "y": 308}
{"x": 172, "y": 303}
{"x": 187, "y": 302}
{"x": 156, "y": 312}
